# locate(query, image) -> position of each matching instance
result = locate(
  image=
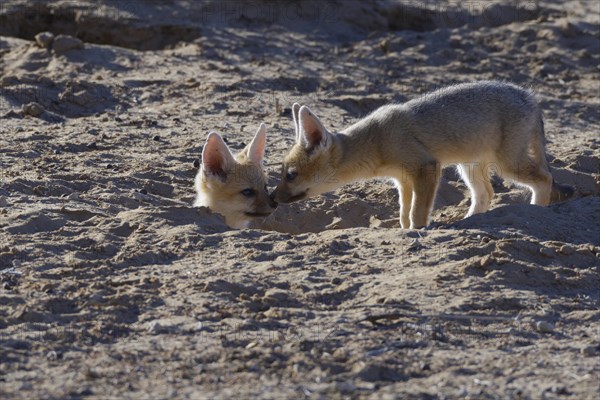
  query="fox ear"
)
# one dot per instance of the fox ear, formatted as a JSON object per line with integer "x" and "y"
{"x": 295, "y": 110}
{"x": 256, "y": 149}
{"x": 311, "y": 132}
{"x": 217, "y": 160}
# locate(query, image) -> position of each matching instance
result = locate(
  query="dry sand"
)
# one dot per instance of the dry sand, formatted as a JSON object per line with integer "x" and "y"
{"x": 113, "y": 286}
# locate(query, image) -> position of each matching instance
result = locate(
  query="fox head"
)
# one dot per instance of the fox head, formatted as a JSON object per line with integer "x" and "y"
{"x": 234, "y": 186}
{"x": 310, "y": 168}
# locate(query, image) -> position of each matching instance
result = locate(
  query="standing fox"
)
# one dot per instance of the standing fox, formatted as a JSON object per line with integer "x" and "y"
{"x": 480, "y": 127}
{"x": 234, "y": 186}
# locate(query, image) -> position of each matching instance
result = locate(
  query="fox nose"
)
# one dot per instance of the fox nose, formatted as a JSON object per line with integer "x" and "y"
{"x": 272, "y": 201}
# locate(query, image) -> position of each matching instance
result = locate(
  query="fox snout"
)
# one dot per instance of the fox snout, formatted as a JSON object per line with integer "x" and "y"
{"x": 285, "y": 197}
{"x": 272, "y": 202}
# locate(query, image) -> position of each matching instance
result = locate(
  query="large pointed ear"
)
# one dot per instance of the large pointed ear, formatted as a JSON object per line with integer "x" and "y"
{"x": 256, "y": 148}
{"x": 312, "y": 132}
{"x": 295, "y": 110}
{"x": 217, "y": 160}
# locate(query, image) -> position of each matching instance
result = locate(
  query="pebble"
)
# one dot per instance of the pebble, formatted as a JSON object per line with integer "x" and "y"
{"x": 3, "y": 201}
{"x": 548, "y": 252}
{"x": 486, "y": 260}
{"x": 65, "y": 43}
{"x": 345, "y": 387}
{"x": 567, "y": 250}
{"x": 544, "y": 327}
{"x": 92, "y": 146}
{"x": 589, "y": 351}
{"x": 44, "y": 39}
{"x": 155, "y": 327}
{"x": 32, "y": 109}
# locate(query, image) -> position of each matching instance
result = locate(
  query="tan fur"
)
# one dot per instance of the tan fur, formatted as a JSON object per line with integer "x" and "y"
{"x": 222, "y": 192}
{"x": 482, "y": 128}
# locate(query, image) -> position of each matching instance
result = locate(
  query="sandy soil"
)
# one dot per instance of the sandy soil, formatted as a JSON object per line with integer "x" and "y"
{"x": 113, "y": 286}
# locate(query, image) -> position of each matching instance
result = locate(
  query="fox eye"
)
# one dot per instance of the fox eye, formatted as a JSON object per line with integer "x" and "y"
{"x": 291, "y": 175}
{"x": 248, "y": 192}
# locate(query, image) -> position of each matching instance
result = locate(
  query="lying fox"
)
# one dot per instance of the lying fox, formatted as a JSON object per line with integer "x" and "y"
{"x": 234, "y": 186}
{"x": 480, "y": 127}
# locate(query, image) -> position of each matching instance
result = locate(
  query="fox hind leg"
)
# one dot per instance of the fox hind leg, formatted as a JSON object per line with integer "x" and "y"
{"x": 537, "y": 178}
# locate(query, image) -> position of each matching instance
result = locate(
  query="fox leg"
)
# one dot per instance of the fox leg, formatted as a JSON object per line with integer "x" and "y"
{"x": 425, "y": 185}
{"x": 536, "y": 177}
{"x": 405, "y": 191}
{"x": 479, "y": 184}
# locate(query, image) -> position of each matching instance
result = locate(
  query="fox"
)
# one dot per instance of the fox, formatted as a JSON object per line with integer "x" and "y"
{"x": 234, "y": 186}
{"x": 481, "y": 128}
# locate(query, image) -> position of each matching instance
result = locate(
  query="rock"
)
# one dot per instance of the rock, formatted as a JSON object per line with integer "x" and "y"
{"x": 65, "y": 43}
{"x": 73, "y": 196}
{"x": 155, "y": 327}
{"x": 567, "y": 250}
{"x": 589, "y": 351}
{"x": 44, "y": 39}
{"x": 345, "y": 387}
{"x": 548, "y": 252}
{"x": 543, "y": 327}
{"x": 32, "y": 109}
{"x": 568, "y": 29}
{"x": 3, "y": 201}
{"x": 276, "y": 296}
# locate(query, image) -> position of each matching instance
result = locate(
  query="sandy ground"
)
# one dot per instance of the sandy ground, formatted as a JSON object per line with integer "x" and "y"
{"x": 113, "y": 286}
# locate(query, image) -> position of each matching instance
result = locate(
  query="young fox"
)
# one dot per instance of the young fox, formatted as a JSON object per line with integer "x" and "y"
{"x": 234, "y": 186}
{"x": 480, "y": 127}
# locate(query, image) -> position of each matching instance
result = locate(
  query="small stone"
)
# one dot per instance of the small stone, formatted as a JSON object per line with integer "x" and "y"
{"x": 156, "y": 138}
{"x": 340, "y": 354}
{"x": 155, "y": 327}
{"x": 143, "y": 191}
{"x": 272, "y": 313}
{"x": 384, "y": 45}
{"x": 65, "y": 43}
{"x": 345, "y": 387}
{"x": 32, "y": 109}
{"x": 548, "y": 252}
{"x": 543, "y": 327}
{"x": 3, "y": 201}
{"x": 92, "y": 146}
{"x": 567, "y": 250}
{"x": 44, "y": 39}
{"x": 589, "y": 351}
{"x": 73, "y": 196}
{"x": 486, "y": 260}
{"x": 52, "y": 355}
{"x": 568, "y": 29}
